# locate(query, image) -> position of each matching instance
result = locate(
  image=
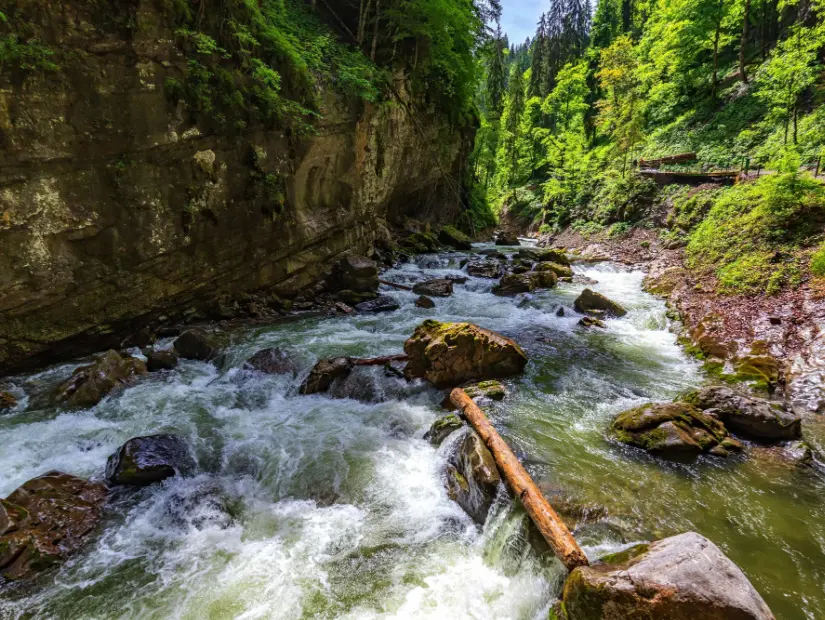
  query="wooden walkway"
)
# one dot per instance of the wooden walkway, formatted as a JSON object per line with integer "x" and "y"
{"x": 669, "y": 177}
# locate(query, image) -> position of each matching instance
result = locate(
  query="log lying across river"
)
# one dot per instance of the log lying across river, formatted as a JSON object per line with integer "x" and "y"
{"x": 549, "y": 523}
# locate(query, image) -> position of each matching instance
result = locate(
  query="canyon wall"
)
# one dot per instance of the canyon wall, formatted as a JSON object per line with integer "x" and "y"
{"x": 117, "y": 213}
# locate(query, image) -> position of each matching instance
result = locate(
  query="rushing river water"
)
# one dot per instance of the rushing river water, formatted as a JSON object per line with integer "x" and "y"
{"x": 332, "y": 506}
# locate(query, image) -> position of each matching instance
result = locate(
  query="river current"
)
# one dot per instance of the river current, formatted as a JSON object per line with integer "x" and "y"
{"x": 333, "y": 506}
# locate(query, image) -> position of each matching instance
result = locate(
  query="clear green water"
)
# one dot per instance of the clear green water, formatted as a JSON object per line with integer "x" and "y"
{"x": 322, "y": 507}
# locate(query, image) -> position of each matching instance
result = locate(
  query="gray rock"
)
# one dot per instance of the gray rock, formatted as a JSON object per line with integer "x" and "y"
{"x": 472, "y": 477}
{"x": 144, "y": 460}
{"x": 441, "y": 287}
{"x": 88, "y": 385}
{"x": 273, "y": 361}
{"x": 324, "y": 373}
{"x": 382, "y": 303}
{"x": 591, "y": 302}
{"x": 196, "y": 344}
{"x": 424, "y": 302}
{"x": 443, "y": 428}
{"x": 166, "y": 359}
{"x": 514, "y": 284}
{"x": 487, "y": 269}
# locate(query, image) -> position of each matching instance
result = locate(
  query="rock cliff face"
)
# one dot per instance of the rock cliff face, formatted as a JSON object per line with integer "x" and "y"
{"x": 116, "y": 213}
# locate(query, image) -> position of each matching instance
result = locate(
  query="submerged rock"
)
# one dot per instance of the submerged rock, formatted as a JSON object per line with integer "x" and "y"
{"x": 46, "y": 520}
{"x": 443, "y": 428}
{"x": 424, "y": 302}
{"x": 672, "y": 430}
{"x": 684, "y": 577}
{"x": 166, "y": 359}
{"x": 441, "y": 287}
{"x": 472, "y": 477}
{"x": 492, "y": 389}
{"x": 382, "y": 303}
{"x": 196, "y": 344}
{"x": 490, "y": 253}
{"x": 273, "y": 361}
{"x": 514, "y": 284}
{"x": 589, "y": 321}
{"x": 88, "y": 385}
{"x": 454, "y": 238}
{"x": 7, "y": 401}
{"x": 324, "y": 373}
{"x": 144, "y": 460}
{"x": 487, "y": 269}
{"x": 750, "y": 417}
{"x": 591, "y": 302}
{"x": 449, "y": 354}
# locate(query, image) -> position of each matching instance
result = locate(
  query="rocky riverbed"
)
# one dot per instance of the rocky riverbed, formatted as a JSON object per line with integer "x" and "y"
{"x": 334, "y": 504}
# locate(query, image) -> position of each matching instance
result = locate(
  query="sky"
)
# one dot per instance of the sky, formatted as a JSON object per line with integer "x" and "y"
{"x": 519, "y": 18}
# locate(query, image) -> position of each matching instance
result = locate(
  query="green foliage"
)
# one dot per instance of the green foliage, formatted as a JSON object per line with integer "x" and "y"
{"x": 818, "y": 261}
{"x": 751, "y": 235}
{"x": 20, "y": 51}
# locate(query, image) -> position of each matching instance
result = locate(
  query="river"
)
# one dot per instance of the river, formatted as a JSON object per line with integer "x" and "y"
{"x": 332, "y": 506}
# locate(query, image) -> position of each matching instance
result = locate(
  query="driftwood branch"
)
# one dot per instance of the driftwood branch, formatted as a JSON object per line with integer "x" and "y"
{"x": 402, "y": 287}
{"x": 549, "y": 523}
{"x": 379, "y": 361}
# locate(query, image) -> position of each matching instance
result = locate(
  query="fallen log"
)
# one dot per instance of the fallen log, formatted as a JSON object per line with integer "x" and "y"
{"x": 402, "y": 287}
{"x": 379, "y": 361}
{"x": 549, "y": 523}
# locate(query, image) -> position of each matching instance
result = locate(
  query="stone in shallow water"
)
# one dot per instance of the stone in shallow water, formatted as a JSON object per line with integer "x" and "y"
{"x": 324, "y": 373}
{"x": 750, "y": 417}
{"x": 273, "y": 361}
{"x": 472, "y": 477}
{"x": 7, "y": 401}
{"x": 355, "y": 273}
{"x": 167, "y": 359}
{"x": 46, "y": 520}
{"x": 382, "y": 303}
{"x": 684, "y": 577}
{"x": 443, "y": 428}
{"x": 514, "y": 284}
{"x": 424, "y": 302}
{"x": 88, "y": 385}
{"x": 441, "y": 287}
{"x": 449, "y": 354}
{"x": 451, "y": 236}
{"x": 589, "y": 321}
{"x": 196, "y": 344}
{"x": 591, "y": 302}
{"x": 144, "y": 460}
{"x": 487, "y": 269}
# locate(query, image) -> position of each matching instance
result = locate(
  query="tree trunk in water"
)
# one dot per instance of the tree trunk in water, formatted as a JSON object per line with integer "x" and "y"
{"x": 549, "y": 523}
{"x": 744, "y": 42}
{"x": 379, "y": 361}
{"x": 400, "y": 287}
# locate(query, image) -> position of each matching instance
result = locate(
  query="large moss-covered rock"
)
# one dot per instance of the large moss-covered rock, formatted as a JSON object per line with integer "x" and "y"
{"x": 88, "y": 385}
{"x": 684, "y": 577}
{"x": 324, "y": 373}
{"x": 487, "y": 269}
{"x": 472, "y": 477}
{"x": 514, "y": 284}
{"x": 551, "y": 255}
{"x": 454, "y": 238}
{"x": 144, "y": 460}
{"x": 591, "y": 302}
{"x": 672, "y": 430}
{"x": 46, "y": 520}
{"x": 545, "y": 279}
{"x": 755, "y": 418}
{"x": 443, "y": 428}
{"x": 449, "y": 354}
{"x": 562, "y": 271}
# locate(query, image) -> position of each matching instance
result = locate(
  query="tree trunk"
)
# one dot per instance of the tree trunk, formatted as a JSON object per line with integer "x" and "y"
{"x": 550, "y": 525}
{"x": 716, "y": 57}
{"x": 379, "y": 361}
{"x": 795, "y": 115}
{"x": 744, "y": 42}
{"x": 401, "y": 287}
{"x": 375, "y": 29}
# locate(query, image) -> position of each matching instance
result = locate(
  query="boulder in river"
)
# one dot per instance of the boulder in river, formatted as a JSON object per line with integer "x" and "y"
{"x": 196, "y": 344}
{"x": 144, "y": 460}
{"x": 382, "y": 303}
{"x": 754, "y": 418}
{"x": 443, "y": 428}
{"x": 449, "y": 354}
{"x": 164, "y": 359}
{"x": 684, "y": 577}
{"x": 550, "y": 255}
{"x": 46, "y": 520}
{"x": 324, "y": 373}
{"x": 487, "y": 269}
{"x": 7, "y": 401}
{"x": 514, "y": 284}
{"x": 273, "y": 361}
{"x": 424, "y": 302}
{"x": 491, "y": 389}
{"x": 562, "y": 271}
{"x": 491, "y": 253}
{"x": 545, "y": 279}
{"x": 591, "y": 302}
{"x": 454, "y": 238}
{"x": 88, "y": 385}
{"x": 472, "y": 477}
{"x": 505, "y": 239}
{"x": 673, "y": 430}
{"x": 589, "y": 321}
{"x": 440, "y": 287}
{"x": 355, "y": 273}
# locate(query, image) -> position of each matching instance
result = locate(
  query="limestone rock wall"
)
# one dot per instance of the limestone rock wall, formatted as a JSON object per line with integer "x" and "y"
{"x": 115, "y": 212}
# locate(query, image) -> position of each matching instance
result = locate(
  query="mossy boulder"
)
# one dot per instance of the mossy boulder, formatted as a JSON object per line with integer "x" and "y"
{"x": 589, "y": 321}
{"x": 44, "y": 521}
{"x": 454, "y": 238}
{"x": 196, "y": 344}
{"x": 492, "y": 254}
{"x": 591, "y": 302}
{"x": 144, "y": 460}
{"x": 550, "y": 255}
{"x": 443, "y": 428}
{"x": 683, "y": 577}
{"x": 472, "y": 477}
{"x": 440, "y": 287}
{"x": 671, "y": 429}
{"x": 514, "y": 284}
{"x": 754, "y": 418}
{"x": 545, "y": 279}
{"x": 324, "y": 373}
{"x": 7, "y": 401}
{"x": 492, "y": 389}
{"x": 449, "y": 354}
{"x": 562, "y": 271}
{"x": 273, "y": 361}
{"x": 487, "y": 269}
{"x": 421, "y": 243}
{"x": 88, "y": 385}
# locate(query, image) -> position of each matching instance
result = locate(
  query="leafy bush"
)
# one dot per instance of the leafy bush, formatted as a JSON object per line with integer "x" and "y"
{"x": 751, "y": 236}
{"x": 818, "y": 262}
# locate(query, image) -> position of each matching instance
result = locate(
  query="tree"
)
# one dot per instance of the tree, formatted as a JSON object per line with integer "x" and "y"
{"x": 496, "y": 74}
